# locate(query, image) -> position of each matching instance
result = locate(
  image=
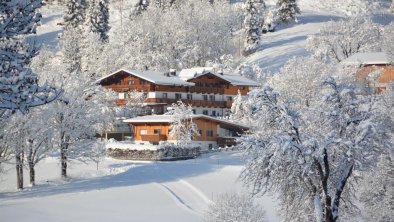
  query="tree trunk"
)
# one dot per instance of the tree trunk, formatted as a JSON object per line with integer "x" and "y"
{"x": 32, "y": 174}
{"x": 19, "y": 170}
{"x": 63, "y": 160}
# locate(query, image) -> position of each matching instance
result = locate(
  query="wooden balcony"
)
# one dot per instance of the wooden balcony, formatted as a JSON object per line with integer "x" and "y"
{"x": 202, "y": 89}
{"x": 128, "y": 88}
{"x": 153, "y": 137}
{"x": 198, "y": 103}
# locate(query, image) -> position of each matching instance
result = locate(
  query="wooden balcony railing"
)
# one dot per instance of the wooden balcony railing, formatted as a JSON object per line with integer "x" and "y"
{"x": 128, "y": 88}
{"x": 202, "y": 89}
{"x": 153, "y": 137}
{"x": 201, "y": 103}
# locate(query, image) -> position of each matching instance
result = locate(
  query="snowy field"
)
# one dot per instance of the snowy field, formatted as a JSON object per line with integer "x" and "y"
{"x": 125, "y": 190}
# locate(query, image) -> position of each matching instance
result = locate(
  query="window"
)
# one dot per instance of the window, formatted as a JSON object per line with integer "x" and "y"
{"x": 143, "y": 132}
{"x": 212, "y": 98}
{"x": 156, "y": 131}
{"x": 189, "y": 96}
{"x": 164, "y": 96}
{"x": 121, "y": 96}
{"x": 200, "y": 132}
{"x": 213, "y": 113}
{"x": 178, "y": 96}
{"x": 194, "y": 111}
{"x": 205, "y": 112}
{"x": 205, "y": 97}
{"x": 131, "y": 82}
{"x": 142, "y": 82}
{"x": 210, "y": 146}
{"x": 118, "y": 83}
{"x": 242, "y": 87}
{"x": 229, "y": 98}
{"x": 209, "y": 133}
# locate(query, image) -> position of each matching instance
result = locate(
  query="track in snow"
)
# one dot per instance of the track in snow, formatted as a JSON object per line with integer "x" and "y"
{"x": 186, "y": 196}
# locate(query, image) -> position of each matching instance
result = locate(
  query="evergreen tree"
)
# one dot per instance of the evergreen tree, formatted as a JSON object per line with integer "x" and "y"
{"x": 98, "y": 17}
{"x": 287, "y": 10}
{"x": 75, "y": 13}
{"x": 19, "y": 89}
{"x": 252, "y": 24}
{"x": 70, "y": 45}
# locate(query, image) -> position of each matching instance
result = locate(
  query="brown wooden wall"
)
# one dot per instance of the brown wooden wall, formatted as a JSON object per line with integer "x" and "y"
{"x": 120, "y": 83}
{"x": 202, "y": 124}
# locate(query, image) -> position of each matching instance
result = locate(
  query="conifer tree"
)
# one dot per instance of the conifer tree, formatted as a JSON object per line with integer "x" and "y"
{"x": 252, "y": 24}
{"x": 75, "y": 13}
{"x": 98, "y": 18}
{"x": 287, "y": 10}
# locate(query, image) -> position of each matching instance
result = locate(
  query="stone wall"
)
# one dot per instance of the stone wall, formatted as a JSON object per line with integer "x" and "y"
{"x": 167, "y": 153}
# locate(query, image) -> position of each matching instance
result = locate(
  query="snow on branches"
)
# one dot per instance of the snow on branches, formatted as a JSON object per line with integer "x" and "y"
{"x": 182, "y": 126}
{"x": 337, "y": 41}
{"x": 252, "y": 25}
{"x": 309, "y": 158}
{"x": 19, "y": 89}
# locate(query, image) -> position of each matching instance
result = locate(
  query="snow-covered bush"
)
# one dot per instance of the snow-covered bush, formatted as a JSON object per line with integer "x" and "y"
{"x": 233, "y": 207}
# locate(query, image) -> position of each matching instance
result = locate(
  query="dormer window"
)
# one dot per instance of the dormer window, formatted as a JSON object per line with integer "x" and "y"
{"x": 131, "y": 82}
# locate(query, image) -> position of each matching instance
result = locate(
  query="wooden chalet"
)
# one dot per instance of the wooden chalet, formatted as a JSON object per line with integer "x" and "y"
{"x": 214, "y": 132}
{"x": 207, "y": 92}
{"x": 375, "y": 71}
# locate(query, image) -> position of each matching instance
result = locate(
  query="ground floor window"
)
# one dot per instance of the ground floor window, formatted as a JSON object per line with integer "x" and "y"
{"x": 210, "y": 146}
{"x": 143, "y": 132}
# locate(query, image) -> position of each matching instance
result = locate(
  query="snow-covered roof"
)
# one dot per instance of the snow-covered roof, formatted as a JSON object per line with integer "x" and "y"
{"x": 369, "y": 58}
{"x": 232, "y": 78}
{"x": 169, "y": 118}
{"x": 159, "y": 78}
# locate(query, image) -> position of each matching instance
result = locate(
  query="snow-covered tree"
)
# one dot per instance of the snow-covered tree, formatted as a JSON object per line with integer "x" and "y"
{"x": 310, "y": 159}
{"x": 28, "y": 137}
{"x": 388, "y": 42}
{"x": 97, "y": 152}
{"x": 337, "y": 41}
{"x": 299, "y": 80}
{"x": 83, "y": 112}
{"x": 19, "y": 89}
{"x": 163, "y": 40}
{"x": 233, "y": 207}
{"x": 377, "y": 192}
{"x": 240, "y": 110}
{"x": 287, "y": 10}
{"x": 139, "y": 7}
{"x": 74, "y": 15}
{"x": 252, "y": 24}
{"x": 182, "y": 126}
{"x": 392, "y": 7}
{"x": 70, "y": 45}
{"x": 98, "y": 18}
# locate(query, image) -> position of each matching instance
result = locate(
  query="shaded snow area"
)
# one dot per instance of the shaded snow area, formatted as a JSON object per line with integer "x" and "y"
{"x": 125, "y": 190}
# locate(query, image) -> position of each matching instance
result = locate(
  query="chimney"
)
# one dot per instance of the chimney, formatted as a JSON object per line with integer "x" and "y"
{"x": 173, "y": 72}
